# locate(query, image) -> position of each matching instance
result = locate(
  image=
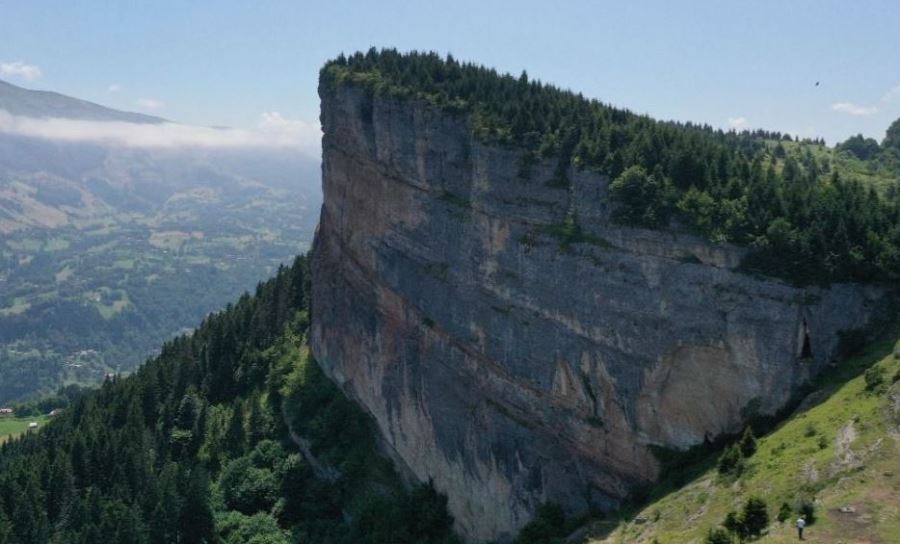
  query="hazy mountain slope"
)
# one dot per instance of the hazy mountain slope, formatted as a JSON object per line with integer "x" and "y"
{"x": 106, "y": 251}
{"x": 30, "y": 103}
{"x": 840, "y": 452}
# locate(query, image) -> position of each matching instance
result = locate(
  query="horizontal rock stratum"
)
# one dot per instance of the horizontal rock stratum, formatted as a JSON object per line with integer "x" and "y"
{"x": 511, "y": 368}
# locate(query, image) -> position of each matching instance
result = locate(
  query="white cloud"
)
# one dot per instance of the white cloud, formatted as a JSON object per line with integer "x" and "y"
{"x": 275, "y": 131}
{"x": 272, "y": 120}
{"x": 737, "y": 123}
{"x": 892, "y": 95}
{"x": 277, "y": 128}
{"x": 150, "y": 103}
{"x": 114, "y": 88}
{"x": 853, "y": 109}
{"x": 20, "y": 69}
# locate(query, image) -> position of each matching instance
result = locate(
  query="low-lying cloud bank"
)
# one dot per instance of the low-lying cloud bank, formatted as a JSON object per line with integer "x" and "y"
{"x": 274, "y": 131}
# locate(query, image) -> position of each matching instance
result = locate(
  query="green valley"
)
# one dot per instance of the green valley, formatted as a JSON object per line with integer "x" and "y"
{"x": 104, "y": 258}
{"x": 82, "y": 301}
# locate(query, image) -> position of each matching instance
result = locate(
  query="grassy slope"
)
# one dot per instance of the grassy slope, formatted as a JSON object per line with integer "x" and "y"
{"x": 843, "y": 452}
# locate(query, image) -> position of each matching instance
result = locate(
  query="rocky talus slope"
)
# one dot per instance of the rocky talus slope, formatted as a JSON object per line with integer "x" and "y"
{"x": 514, "y": 345}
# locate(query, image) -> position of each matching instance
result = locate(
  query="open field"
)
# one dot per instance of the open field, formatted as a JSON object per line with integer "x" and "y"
{"x": 10, "y": 427}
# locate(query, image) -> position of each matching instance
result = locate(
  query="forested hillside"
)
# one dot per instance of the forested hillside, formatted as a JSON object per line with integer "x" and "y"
{"x": 810, "y": 214}
{"x": 231, "y": 435}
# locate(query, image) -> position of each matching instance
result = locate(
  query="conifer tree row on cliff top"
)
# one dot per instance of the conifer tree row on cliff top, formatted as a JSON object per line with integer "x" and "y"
{"x": 805, "y": 216}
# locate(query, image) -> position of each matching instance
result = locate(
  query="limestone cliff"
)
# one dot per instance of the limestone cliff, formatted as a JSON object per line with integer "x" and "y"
{"x": 513, "y": 368}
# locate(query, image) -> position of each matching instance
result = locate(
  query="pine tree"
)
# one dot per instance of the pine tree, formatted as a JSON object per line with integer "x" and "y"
{"x": 785, "y": 512}
{"x": 60, "y": 489}
{"x": 891, "y": 140}
{"x": 196, "y": 522}
{"x": 258, "y": 423}
{"x": 731, "y": 461}
{"x": 748, "y": 443}
{"x": 5, "y": 528}
{"x": 235, "y": 437}
{"x": 734, "y": 524}
{"x": 755, "y": 516}
{"x": 718, "y": 536}
{"x": 31, "y": 524}
{"x": 166, "y": 513}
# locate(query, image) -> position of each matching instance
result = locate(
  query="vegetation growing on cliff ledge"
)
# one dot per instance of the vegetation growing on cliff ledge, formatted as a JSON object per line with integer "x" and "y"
{"x": 811, "y": 214}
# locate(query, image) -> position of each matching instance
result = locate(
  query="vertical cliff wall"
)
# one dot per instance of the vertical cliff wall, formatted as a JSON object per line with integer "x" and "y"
{"x": 512, "y": 366}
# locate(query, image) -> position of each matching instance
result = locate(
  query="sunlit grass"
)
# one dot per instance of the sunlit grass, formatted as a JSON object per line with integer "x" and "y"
{"x": 842, "y": 453}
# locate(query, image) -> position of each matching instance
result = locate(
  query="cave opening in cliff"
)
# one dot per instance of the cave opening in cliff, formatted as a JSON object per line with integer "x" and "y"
{"x": 806, "y": 350}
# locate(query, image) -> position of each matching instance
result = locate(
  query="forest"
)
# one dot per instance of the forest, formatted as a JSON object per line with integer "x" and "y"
{"x": 206, "y": 442}
{"x": 804, "y": 214}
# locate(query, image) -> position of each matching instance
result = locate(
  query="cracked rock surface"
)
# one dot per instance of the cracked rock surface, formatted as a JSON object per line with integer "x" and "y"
{"x": 511, "y": 367}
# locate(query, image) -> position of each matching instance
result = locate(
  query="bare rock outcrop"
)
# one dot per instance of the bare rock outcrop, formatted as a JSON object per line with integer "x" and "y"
{"x": 511, "y": 367}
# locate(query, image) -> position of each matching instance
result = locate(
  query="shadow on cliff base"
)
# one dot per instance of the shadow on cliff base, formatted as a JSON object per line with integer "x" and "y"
{"x": 859, "y": 351}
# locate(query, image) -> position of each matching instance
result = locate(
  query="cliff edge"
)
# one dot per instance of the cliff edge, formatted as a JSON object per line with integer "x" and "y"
{"x": 511, "y": 364}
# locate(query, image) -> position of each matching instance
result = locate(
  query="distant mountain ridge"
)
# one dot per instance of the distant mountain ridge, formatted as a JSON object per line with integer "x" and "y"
{"x": 31, "y": 103}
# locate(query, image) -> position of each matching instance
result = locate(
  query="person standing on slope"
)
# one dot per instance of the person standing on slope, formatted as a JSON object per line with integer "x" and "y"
{"x": 801, "y": 523}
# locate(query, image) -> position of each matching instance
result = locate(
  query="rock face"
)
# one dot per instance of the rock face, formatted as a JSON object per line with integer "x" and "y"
{"x": 511, "y": 366}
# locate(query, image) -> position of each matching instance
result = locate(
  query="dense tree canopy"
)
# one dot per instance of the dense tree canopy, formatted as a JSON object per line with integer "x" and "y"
{"x": 891, "y": 143}
{"x": 804, "y": 218}
{"x": 861, "y": 147}
{"x": 197, "y": 447}
{"x": 644, "y": 198}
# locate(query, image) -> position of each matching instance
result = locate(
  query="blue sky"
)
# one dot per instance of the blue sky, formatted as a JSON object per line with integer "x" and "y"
{"x": 748, "y": 64}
